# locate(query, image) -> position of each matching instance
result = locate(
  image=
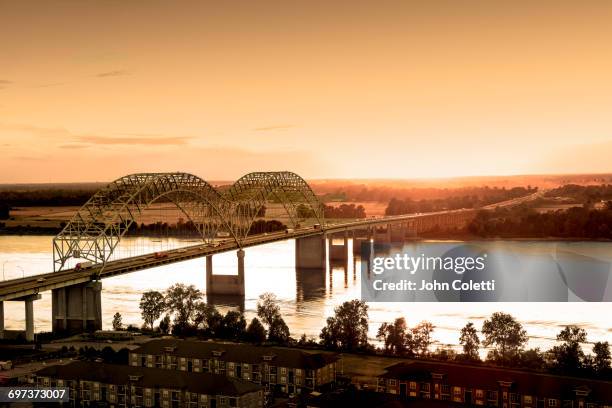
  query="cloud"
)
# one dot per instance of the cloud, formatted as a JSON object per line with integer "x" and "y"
{"x": 115, "y": 73}
{"x": 83, "y": 140}
{"x": 151, "y": 141}
{"x": 71, "y": 146}
{"x": 49, "y": 85}
{"x": 273, "y": 127}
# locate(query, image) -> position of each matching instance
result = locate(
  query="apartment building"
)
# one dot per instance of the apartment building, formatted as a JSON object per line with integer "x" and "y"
{"x": 123, "y": 386}
{"x": 276, "y": 368}
{"x": 492, "y": 387}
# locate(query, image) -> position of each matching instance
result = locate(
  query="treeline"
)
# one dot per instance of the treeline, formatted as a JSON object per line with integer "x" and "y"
{"x": 583, "y": 194}
{"x": 188, "y": 228}
{"x": 575, "y": 222}
{"x": 185, "y": 313}
{"x": 368, "y": 192}
{"x": 45, "y": 197}
{"x": 484, "y": 196}
{"x": 345, "y": 211}
{"x": 506, "y": 340}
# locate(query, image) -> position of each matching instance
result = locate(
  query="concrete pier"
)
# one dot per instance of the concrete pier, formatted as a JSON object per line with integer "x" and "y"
{"x": 311, "y": 252}
{"x": 337, "y": 251}
{"x": 1, "y": 320}
{"x": 77, "y": 308}
{"x": 225, "y": 284}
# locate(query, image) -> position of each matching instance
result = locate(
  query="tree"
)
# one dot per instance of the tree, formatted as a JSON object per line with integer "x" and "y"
{"x": 207, "y": 318}
{"x": 233, "y": 325}
{"x": 348, "y": 328}
{"x": 602, "y": 359}
{"x": 164, "y": 325}
{"x": 470, "y": 342}
{"x": 396, "y": 336}
{"x": 421, "y": 338}
{"x": 278, "y": 331}
{"x": 117, "y": 325}
{"x": 182, "y": 300}
{"x": 568, "y": 356}
{"x": 152, "y": 305}
{"x": 255, "y": 332}
{"x": 507, "y": 336}
{"x": 532, "y": 359}
{"x": 267, "y": 307}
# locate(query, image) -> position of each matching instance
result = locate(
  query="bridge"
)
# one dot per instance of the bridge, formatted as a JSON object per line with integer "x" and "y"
{"x": 94, "y": 233}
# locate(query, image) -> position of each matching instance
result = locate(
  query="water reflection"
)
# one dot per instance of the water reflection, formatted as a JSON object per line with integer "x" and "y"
{"x": 307, "y": 297}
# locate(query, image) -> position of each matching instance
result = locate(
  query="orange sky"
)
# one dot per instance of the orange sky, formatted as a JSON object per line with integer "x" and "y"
{"x": 90, "y": 91}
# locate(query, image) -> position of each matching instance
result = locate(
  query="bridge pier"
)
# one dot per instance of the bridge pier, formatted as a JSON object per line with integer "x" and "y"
{"x": 311, "y": 252}
{"x": 338, "y": 252}
{"x": 225, "y": 284}
{"x": 77, "y": 308}
{"x": 1, "y": 320}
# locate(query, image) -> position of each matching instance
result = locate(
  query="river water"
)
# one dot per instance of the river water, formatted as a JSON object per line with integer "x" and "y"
{"x": 305, "y": 300}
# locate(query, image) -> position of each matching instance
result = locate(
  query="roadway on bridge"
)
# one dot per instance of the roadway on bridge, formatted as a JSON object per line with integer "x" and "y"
{"x": 15, "y": 289}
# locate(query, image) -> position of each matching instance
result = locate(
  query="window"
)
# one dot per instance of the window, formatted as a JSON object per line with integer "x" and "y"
{"x": 425, "y": 387}
{"x": 457, "y": 391}
{"x": 412, "y": 385}
{"x": 552, "y": 402}
{"x": 392, "y": 383}
{"x": 479, "y": 393}
{"x": 527, "y": 399}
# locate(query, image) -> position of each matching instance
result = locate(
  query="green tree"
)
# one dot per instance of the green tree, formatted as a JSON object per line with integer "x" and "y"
{"x": 421, "y": 338}
{"x": 255, "y": 332}
{"x": 152, "y": 305}
{"x": 602, "y": 359}
{"x": 117, "y": 324}
{"x": 470, "y": 342}
{"x": 348, "y": 328}
{"x": 507, "y": 336}
{"x": 182, "y": 300}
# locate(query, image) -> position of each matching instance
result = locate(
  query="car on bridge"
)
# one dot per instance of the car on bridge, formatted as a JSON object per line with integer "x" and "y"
{"x": 160, "y": 255}
{"x": 83, "y": 265}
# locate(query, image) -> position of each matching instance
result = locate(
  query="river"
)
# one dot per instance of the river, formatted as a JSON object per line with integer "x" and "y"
{"x": 305, "y": 301}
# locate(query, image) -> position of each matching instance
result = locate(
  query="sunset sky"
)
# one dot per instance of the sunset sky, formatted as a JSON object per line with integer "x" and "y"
{"x": 90, "y": 91}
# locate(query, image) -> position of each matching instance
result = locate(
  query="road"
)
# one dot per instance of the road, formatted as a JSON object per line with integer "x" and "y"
{"x": 32, "y": 285}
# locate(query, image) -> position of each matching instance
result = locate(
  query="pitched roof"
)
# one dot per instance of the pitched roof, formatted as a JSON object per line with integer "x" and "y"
{"x": 485, "y": 377}
{"x": 243, "y": 353}
{"x": 200, "y": 383}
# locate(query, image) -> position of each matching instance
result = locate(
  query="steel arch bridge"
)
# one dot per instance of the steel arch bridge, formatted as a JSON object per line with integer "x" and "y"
{"x": 97, "y": 228}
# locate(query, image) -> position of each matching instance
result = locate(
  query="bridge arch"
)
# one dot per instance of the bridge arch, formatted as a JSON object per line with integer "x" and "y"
{"x": 251, "y": 192}
{"x": 98, "y": 226}
{"x": 96, "y": 229}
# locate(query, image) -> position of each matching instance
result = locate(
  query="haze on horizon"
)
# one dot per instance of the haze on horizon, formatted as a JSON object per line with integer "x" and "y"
{"x": 388, "y": 89}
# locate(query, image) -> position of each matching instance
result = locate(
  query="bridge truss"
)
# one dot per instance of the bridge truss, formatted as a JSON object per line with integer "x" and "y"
{"x": 97, "y": 228}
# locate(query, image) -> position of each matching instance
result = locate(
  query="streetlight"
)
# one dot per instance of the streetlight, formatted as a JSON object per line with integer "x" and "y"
{"x": 22, "y": 271}
{"x": 4, "y": 263}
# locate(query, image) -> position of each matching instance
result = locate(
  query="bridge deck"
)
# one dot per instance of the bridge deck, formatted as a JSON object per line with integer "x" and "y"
{"x": 15, "y": 289}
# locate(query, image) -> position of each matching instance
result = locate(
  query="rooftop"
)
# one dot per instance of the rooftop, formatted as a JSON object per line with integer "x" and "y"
{"x": 200, "y": 383}
{"x": 244, "y": 353}
{"x": 485, "y": 377}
